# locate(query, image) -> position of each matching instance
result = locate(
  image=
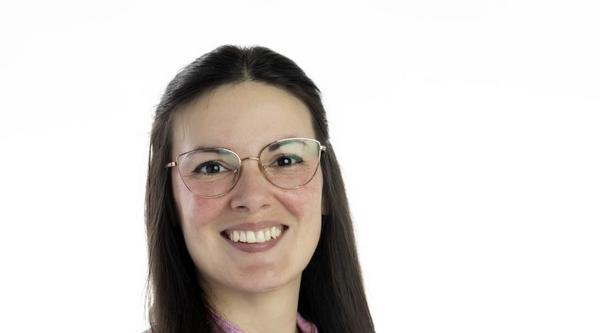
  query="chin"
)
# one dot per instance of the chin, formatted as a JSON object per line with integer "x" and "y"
{"x": 261, "y": 283}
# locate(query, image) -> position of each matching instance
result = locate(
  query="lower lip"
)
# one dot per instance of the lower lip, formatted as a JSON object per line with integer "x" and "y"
{"x": 255, "y": 247}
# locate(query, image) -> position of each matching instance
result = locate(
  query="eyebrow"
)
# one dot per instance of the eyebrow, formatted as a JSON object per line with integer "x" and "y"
{"x": 218, "y": 150}
{"x": 276, "y": 145}
{"x": 215, "y": 149}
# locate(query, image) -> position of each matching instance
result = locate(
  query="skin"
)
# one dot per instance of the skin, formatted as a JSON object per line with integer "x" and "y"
{"x": 256, "y": 291}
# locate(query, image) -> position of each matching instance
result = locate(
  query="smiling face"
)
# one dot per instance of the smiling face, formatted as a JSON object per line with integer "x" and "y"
{"x": 244, "y": 118}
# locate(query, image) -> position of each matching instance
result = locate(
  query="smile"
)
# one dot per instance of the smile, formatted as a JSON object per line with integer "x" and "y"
{"x": 255, "y": 240}
{"x": 259, "y": 236}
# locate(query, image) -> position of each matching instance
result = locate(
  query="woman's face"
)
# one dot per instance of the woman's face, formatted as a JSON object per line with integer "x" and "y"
{"x": 244, "y": 118}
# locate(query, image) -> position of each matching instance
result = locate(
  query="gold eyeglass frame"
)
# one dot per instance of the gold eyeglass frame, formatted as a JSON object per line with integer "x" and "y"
{"x": 238, "y": 171}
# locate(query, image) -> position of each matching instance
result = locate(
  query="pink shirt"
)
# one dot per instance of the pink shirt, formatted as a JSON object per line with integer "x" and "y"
{"x": 304, "y": 326}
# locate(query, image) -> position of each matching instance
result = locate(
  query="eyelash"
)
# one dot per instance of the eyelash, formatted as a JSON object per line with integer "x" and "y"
{"x": 295, "y": 160}
{"x": 198, "y": 169}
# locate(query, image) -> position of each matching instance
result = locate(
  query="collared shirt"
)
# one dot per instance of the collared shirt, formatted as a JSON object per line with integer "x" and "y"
{"x": 304, "y": 326}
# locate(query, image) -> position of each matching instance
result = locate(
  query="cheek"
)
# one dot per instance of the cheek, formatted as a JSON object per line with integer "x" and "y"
{"x": 195, "y": 211}
{"x": 305, "y": 201}
{"x": 202, "y": 211}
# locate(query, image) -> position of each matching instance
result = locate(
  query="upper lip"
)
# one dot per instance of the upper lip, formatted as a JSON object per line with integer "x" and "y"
{"x": 254, "y": 226}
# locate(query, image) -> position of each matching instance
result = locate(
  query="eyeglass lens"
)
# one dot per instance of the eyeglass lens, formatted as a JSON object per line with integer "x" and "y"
{"x": 287, "y": 164}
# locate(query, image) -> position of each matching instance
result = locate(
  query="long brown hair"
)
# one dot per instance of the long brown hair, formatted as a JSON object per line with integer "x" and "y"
{"x": 331, "y": 292}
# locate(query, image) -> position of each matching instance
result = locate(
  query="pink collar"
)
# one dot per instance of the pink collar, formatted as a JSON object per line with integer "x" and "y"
{"x": 304, "y": 325}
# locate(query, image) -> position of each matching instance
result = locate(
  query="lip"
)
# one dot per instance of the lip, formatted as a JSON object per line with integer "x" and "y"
{"x": 255, "y": 247}
{"x": 255, "y": 226}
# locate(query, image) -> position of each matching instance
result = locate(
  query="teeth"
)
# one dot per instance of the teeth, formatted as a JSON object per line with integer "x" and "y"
{"x": 275, "y": 232}
{"x": 250, "y": 237}
{"x": 260, "y": 236}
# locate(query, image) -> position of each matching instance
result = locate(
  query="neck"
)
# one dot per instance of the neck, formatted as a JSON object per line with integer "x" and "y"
{"x": 272, "y": 311}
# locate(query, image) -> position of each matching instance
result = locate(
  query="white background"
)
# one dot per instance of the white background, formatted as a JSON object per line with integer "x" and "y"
{"x": 468, "y": 133}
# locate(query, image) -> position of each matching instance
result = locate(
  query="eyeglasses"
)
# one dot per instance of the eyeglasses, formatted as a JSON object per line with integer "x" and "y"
{"x": 212, "y": 172}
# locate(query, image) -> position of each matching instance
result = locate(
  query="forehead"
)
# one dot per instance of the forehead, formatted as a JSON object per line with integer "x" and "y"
{"x": 243, "y": 117}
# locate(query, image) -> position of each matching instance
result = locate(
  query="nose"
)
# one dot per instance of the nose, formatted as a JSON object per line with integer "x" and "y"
{"x": 252, "y": 191}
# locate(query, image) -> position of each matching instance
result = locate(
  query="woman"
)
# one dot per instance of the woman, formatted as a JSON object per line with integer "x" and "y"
{"x": 246, "y": 214}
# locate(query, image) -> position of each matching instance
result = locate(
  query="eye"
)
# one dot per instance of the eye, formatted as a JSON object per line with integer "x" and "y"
{"x": 210, "y": 168}
{"x": 287, "y": 160}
